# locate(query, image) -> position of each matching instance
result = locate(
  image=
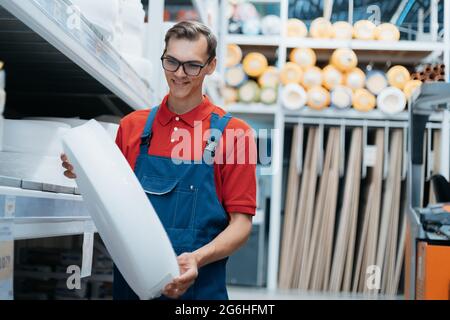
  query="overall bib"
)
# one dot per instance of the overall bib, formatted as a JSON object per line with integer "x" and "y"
{"x": 185, "y": 199}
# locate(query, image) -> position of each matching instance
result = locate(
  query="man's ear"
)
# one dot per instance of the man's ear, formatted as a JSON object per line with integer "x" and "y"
{"x": 211, "y": 66}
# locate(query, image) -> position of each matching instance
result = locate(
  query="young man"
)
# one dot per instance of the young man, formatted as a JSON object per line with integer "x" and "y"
{"x": 205, "y": 207}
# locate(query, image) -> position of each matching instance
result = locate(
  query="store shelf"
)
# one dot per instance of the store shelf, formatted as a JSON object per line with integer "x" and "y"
{"x": 82, "y": 45}
{"x": 254, "y": 108}
{"x": 261, "y": 40}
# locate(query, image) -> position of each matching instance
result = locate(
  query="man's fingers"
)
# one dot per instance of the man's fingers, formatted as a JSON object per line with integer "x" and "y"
{"x": 188, "y": 276}
{"x": 64, "y": 157}
{"x": 67, "y": 166}
{"x": 69, "y": 174}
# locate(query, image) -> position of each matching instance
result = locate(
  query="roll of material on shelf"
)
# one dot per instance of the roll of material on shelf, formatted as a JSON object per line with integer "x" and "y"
{"x": 391, "y": 100}
{"x": 331, "y": 77}
{"x": 312, "y": 76}
{"x": 387, "y": 32}
{"x": 103, "y": 14}
{"x": 364, "y": 30}
{"x": 246, "y": 11}
{"x": 321, "y": 28}
{"x": 269, "y": 95}
{"x": 355, "y": 79}
{"x": 398, "y": 76}
{"x": 270, "y": 77}
{"x": 344, "y": 59}
{"x": 304, "y": 57}
{"x": 139, "y": 247}
{"x": 296, "y": 28}
{"x": 341, "y": 97}
{"x": 255, "y": 64}
{"x": 230, "y": 95}
{"x": 293, "y": 96}
{"x": 363, "y": 100}
{"x": 318, "y": 98}
{"x": 342, "y": 30}
{"x": 251, "y": 27}
{"x": 235, "y": 76}
{"x": 410, "y": 87}
{"x": 234, "y": 55}
{"x": 271, "y": 25}
{"x": 249, "y": 92}
{"x": 376, "y": 81}
{"x": 291, "y": 73}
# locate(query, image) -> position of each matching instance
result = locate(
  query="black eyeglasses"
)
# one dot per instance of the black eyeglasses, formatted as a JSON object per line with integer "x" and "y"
{"x": 190, "y": 68}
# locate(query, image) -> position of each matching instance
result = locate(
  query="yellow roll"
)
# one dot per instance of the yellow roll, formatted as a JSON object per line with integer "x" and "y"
{"x": 342, "y": 30}
{"x": 296, "y": 28}
{"x": 387, "y": 32}
{"x": 398, "y": 76}
{"x": 291, "y": 73}
{"x": 355, "y": 79}
{"x": 234, "y": 55}
{"x": 410, "y": 87}
{"x": 269, "y": 95}
{"x": 230, "y": 95}
{"x": 270, "y": 77}
{"x": 364, "y": 30}
{"x": 363, "y": 100}
{"x": 344, "y": 59}
{"x": 321, "y": 28}
{"x": 341, "y": 97}
{"x": 304, "y": 57}
{"x": 318, "y": 98}
{"x": 235, "y": 76}
{"x": 255, "y": 64}
{"x": 332, "y": 77}
{"x": 312, "y": 77}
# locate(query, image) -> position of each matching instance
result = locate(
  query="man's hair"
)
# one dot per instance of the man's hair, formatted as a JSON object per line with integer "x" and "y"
{"x": 192, "y": 30}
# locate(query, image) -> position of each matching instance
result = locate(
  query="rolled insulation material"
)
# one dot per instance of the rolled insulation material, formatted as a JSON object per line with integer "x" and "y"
{"x": 304, "y": 57}
{"x": 410, "y": 87}
{"x": 255, "y": 64}
{"x": 296, "y": 28}
{"x": 342, "y": 30}
{"x": 293, "y": 96}
{"x": 398, "y": 76}
{"x": 363, "y": 100}
{"x": 234, "y": 55}
{"x": 235, "y": 76}
{"x": 391, "y": 100}
{"x": 344, "y": 59}
{"x": 318, "y": 98}
{"x": 321, "y": 28}
{"x": 355, "y": 79}
{"x": 364, "y": 30}
{"x": 312, "y": 76}
{"x": 387, "y": 32}
{"x": 270, "y": 77}
{"x": 235, "y": 26}
{"x": 246, "y": 11}
{"x": 269, "y": 95}
{"x": 331, "y": 77}
{"x": 230, "y": 95}
{"x": 341, "y": 97}
{"x": 291, "y": 73}
{"x": 251, "y": 27}
{"x": 271, "y": 25}
{"x": 376, "y": 81}
{"x": 249, "y": 92}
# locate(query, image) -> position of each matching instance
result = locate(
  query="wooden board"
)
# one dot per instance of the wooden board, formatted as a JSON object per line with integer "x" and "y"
{"x": 436, "y": 162}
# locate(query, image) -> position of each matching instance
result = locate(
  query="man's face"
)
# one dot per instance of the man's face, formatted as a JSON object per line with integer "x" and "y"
{"x": 182, "y": 85}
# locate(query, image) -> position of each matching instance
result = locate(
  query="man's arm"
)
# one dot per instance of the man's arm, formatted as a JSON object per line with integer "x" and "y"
{"x": 227, "y": 242}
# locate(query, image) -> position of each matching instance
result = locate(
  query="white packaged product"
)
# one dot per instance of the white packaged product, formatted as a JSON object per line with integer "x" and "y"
{"x": 121, "y": 211}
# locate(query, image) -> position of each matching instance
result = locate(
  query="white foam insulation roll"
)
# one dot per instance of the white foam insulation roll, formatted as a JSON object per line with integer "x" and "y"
{"x": 344, "y": 59}
{"x": 270, "y": 77}
{"x": 255, "y": 64}
{"x": 387, "y": 32}
{"x": 293, "y": 96}
{"x": 296, "y": 28}
{"x": 363, "y": 100}
{"x": 291, "y": 73}
{"x": 312, "y": 76}
{"x": 269, "y": 95}
{"x": 271, "y": 25}
{"x": 230, "y": 95}
{"x": 331, "y": 77}
{"x": 342, "y": 30}
{"x": 364, "y": 30}
{"x": 249, "y": 92}
{"x": 251, "y": 27}
{"x": 376, "y": 81}
{"x": 341, "y": 97}
{"x": 398, "y": 76}
{"x": 321, "y": 28}
{"x": 318, "y": 98}
{"x": 104, "y": 14}
{"x": 391, "y": 100}
{"x": 235, "y": 76}
{"x": 355, "y": 79}
{"x": 410, "y": 87}
{"x": 234, "y": 55}
{"x": 304, "y": 57}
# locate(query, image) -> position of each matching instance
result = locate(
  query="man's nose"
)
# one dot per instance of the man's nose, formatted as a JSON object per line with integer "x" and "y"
{"x": 180, "y": 72}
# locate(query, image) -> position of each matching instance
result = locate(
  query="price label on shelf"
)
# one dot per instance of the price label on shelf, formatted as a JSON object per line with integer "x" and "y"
{"x": 6, "y": 260}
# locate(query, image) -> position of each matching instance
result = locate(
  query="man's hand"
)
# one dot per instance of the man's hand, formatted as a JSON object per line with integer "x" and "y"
{"x": 69, "y": 168}
{"x": 188, "y": 274}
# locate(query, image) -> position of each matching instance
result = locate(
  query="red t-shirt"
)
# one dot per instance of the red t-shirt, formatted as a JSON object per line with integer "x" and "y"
{"x": 235, "y": 166}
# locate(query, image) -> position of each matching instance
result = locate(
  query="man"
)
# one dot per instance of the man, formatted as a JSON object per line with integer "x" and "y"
{"x": 206, "y": 208}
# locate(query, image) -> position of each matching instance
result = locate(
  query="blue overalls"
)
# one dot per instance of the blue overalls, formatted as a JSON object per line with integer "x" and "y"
{"x": 185, "y": 199}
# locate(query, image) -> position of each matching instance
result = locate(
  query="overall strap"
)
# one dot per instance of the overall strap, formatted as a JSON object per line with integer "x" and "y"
{"x": 217, "y": 127}
{"x": 147, "y": 134}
